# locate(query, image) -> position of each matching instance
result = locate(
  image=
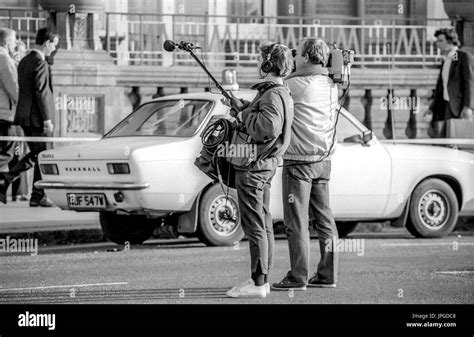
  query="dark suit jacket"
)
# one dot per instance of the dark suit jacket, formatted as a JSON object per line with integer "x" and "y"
{"x": 460, "y": 86}
{"x": 36, "y": 100}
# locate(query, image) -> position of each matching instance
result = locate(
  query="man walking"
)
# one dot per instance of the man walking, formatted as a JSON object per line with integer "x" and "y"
{"x": 454, "y": 97}
{"x": 35, "y": 109}
{"x": 307, "y": 167}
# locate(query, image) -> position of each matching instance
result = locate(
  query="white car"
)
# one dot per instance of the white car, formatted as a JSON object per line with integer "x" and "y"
{"x": 143, "y": 171}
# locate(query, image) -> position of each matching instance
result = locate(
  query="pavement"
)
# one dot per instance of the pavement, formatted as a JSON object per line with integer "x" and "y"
{"x": 18, "y": 217}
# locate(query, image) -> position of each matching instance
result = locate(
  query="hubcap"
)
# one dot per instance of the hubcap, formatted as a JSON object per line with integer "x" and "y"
{"x": 433, "y": 209}
{"x": 223, "y": 215}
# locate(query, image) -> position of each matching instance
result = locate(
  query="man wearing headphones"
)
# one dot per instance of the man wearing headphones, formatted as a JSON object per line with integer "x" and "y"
{"x": 307, "y": 168}
{"x": 267, "y": 120}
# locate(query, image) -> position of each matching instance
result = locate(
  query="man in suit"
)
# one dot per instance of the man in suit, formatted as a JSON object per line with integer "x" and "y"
{"x": 35, "y": 110}
{"x": 454, "y": 97}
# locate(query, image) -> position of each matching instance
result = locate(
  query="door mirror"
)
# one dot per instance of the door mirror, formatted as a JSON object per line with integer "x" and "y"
{"x": 367, "y": 136}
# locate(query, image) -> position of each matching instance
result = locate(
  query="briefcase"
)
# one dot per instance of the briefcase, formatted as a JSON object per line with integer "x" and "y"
{"x": 459, "y": 128}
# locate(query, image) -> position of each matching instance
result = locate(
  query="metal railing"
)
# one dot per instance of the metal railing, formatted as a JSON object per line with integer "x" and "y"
{"x": 232, "y": 41}
{"x": 136, "y": 39}
{"x": 24, "y": 21}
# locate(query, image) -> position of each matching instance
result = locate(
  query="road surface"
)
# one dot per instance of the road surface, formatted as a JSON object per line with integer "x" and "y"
{"x": 390, "y": 269}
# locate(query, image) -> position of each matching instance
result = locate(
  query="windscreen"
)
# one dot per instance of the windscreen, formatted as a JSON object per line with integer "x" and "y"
{"x": 180, "y": 118}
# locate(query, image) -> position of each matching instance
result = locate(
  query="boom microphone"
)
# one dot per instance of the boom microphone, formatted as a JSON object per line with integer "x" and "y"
{"x": 170, "y": 46}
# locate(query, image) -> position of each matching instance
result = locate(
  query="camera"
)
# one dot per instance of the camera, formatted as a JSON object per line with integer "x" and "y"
{"x": 339, "y": 63}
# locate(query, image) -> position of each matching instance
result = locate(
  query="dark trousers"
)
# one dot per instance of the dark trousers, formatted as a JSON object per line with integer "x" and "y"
{"x": 253, "y": 191}
{"x": 7, "y": 148}
{"x": 28, "y": 161}
{"x": 306, "y": 197}
{"x": 437, "y": 128}
{"x": 35, "y": 148}
{"x": 16, "y": 185}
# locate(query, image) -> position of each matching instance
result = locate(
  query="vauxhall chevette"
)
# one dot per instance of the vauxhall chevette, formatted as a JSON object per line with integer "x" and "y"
{"x": 142, "y": 172}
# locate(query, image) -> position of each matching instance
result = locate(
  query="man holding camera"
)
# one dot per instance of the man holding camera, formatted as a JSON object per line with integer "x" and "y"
{"x": 307, "y": 167}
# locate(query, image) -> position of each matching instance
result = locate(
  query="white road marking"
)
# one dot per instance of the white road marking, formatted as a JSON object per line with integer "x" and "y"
{"x": 455, "y": 272}
{"x": 426, "y": 244}
{"x": 67, "y": 286}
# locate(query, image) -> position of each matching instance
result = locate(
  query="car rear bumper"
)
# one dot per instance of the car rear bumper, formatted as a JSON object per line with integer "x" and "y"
{"x": 91, "y": 186}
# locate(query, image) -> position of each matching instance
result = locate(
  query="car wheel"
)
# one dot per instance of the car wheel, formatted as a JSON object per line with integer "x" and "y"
{"x": 126, "y": 228}
{"x": 433, "y": 210}
{"x": 219, "y": 218}
{"x": 345, "y": 228}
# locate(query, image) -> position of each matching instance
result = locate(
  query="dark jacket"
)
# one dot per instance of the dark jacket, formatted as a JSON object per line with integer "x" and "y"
{"x": 36, "y": 100}
{"x": 460, "y": 87}
{"x": 267, "y": 117}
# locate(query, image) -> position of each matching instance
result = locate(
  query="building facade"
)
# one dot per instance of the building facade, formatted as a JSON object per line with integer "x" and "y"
{"x": 111, "y": 50}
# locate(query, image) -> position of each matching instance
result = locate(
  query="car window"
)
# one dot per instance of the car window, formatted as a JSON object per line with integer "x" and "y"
{"x": 164, "y": 118}
{"x": 346, "y": 129}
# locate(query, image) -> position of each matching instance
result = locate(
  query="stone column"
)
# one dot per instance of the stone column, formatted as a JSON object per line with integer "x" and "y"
{"x": 367, "y": 101}
{"x": 77, "y": 23}
{"x": 464, "y": 10}
{"x": 88, "y": 98}
{"x": 411, "y": 130}
{"x": 389, "y": 123}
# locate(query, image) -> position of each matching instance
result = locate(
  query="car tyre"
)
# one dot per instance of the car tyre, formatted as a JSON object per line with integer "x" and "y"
{"x": 120, "y": 229}
{"x": 434, "y": 210}
{"x": 219, "y": 219}
{"x": 345, "y": 228}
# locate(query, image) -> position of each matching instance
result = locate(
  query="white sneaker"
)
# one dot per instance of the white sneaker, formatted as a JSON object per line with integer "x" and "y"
{"x": 267, "y": 288}
{"x": 247, "y": 289}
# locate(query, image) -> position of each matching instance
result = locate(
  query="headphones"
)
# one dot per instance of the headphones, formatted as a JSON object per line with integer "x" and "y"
{"x": 268, "y": 66}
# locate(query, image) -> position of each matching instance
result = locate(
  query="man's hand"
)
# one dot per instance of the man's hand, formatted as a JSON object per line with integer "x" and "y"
{"x": 234, "y": 103}
{"x": 233, "y": 112}
{"x": 466, "y": 113}
{"x": 428, "y": 115}
{"x": 48, "y": 126}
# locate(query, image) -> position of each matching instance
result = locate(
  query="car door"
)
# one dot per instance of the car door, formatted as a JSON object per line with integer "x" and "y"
{"x": 361, "y": 173}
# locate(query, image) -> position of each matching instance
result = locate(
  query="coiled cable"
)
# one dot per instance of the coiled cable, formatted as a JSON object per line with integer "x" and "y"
{"x": 217, "y": 133}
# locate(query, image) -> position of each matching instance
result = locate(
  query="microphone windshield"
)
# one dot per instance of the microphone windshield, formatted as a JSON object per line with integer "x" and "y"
{"x": 169, "y": 45}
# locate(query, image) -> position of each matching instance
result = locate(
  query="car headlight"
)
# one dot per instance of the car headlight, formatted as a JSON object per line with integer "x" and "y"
{"x": 118, "y": 168}
{"x": 49, "y": 169}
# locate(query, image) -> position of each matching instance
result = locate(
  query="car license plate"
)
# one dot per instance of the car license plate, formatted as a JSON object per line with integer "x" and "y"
{"x": 86, "y": 200}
